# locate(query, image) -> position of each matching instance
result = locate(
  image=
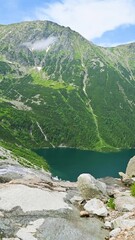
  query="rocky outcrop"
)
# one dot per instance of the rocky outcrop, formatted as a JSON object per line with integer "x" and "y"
{"x": 115, "y": 217}
{"x": 32, "y": 201}
{"x": 121, "y": 220}
{"x": 130, "y": 170}
{"x": 34, "y": 206}
{"x": 89, "y": 187}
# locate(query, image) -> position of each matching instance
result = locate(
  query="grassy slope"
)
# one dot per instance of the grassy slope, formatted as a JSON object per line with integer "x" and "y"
{"x": 24, "y": 156}
{"x": 83, "y": 97}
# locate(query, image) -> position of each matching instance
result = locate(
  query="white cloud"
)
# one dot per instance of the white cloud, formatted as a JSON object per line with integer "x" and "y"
{"x": 109, "y": 44}
{"x": 40, "y": 45}
{"x": 91, "y": 18}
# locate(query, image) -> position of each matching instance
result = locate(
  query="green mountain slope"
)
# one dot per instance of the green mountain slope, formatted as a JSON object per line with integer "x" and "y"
{"x": 58, "y": 89}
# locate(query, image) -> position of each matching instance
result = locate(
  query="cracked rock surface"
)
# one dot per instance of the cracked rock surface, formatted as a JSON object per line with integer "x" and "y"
{"x": 35, "y": 206}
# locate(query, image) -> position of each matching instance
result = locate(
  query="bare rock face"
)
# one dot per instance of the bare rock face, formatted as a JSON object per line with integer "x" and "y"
{"x": 31, "y": 202}
{"x": 89, "y": 187}
{"x": 31, "y": 199}
{"x": 130, "y": 170}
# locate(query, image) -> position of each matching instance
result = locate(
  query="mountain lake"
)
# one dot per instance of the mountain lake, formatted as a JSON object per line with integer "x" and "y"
{"x": 69, "y": 163}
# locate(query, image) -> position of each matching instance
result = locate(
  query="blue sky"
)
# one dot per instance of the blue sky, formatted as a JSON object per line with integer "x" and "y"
{"x": 104, "y": 22}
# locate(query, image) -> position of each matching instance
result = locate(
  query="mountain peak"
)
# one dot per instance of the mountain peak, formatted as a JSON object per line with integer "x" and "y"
{"x": 64, "y": 89}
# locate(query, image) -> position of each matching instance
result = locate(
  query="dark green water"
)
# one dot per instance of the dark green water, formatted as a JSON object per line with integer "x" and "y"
{"x": 68, "y": 163}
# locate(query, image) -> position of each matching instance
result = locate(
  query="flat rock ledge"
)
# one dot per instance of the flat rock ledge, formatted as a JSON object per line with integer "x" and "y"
{"x": 34, "y": 206}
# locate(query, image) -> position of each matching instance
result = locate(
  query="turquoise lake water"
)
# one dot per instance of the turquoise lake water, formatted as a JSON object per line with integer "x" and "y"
{"x": 69, "y": 163}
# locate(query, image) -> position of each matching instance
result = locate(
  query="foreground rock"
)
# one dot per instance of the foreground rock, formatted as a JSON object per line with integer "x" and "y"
{"x": 34, "y": 206}
{"x": 31, "y": 199}
{"x": 11, "y": 170}
{"x": 90, "y": 187}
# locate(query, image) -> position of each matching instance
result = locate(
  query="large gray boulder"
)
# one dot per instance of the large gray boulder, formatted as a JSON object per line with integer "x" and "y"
{"x": 130, "y": 170}
{"x": 89, "y": 187}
